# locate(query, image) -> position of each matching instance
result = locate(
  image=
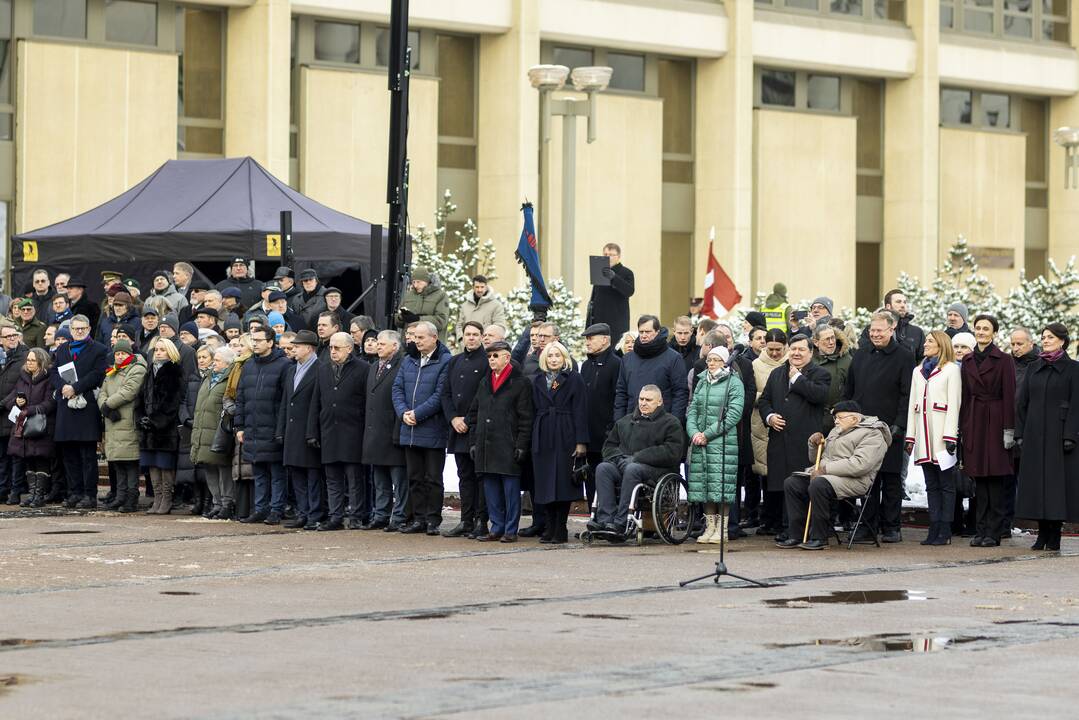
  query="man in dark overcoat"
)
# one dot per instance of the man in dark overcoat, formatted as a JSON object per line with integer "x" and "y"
{"x": 610, "y": 303}
{"x": 78, "y": 419}
{"x": 302, "y": 459}
{"x": 463, "y": 377}
{"x": 335, "y": 425}
{"x": 382, "y": 449}
{"x": 600, "y": 374}
{"x": 790, "y": 405}
{"x": 879, "y": 381}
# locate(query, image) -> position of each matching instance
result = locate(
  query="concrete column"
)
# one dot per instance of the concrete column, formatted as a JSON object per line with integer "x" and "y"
{"x": 912, "y": 157}
{"x": 257, "y": 84}
{"x": 508, "y": 138}
{"x": 1063, "y": 203}
{"x": 724, "y": 155}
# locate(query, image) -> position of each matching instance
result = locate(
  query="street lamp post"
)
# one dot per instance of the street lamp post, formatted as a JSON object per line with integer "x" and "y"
{"x": 1068, "y": 138}
{"x": 591, "y": 81}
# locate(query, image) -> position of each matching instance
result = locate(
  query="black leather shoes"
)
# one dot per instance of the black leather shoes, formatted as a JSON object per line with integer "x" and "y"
{"x": 392, "y": 527}
{"x": 478, "y": 532}
{"x": 87, "y": 503}
{"x": 254, "y": 518}
{"x": 414, "y": 528}
{"x": 273, "y": 519}
{"x": 509, "y": 538}
{"x": 331, "y": 525}
{"x": 375, "y": 525}
{"x": 432, "y": 530}
{"x": 891, "y": 536}
{"x": 458, "y": 530}
{"x": 313, "y": 525}
{"x": 490, "y": 537}
{"x": 814, "y": 545}
{"x": 297, "y": 522}
{"x": 532, "y": 531}
{"x": 788, "y": 544}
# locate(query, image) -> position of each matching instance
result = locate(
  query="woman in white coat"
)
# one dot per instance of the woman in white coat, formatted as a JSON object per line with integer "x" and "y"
{"x": 933, "y": 430}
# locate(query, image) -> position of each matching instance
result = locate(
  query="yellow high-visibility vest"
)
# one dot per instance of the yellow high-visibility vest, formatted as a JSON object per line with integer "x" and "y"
{"x": 776, "y": 317}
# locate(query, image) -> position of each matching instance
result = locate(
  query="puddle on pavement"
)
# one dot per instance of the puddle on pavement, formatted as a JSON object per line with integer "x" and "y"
{"x": 849, "y": 597}
{"x": 494, "y": 678}
{"x": 428, "y": 616}
{"x": 17, "y": 642}
{"x": 70, "y": 532}
{"x": 7, "y": 682}
{"x": 596, "y": 616}
{"x": 177, "y": 592}
{"x": 889, "y": 642}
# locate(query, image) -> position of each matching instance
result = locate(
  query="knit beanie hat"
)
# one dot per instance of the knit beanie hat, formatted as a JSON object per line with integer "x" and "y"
{"x": 961, "y": 309}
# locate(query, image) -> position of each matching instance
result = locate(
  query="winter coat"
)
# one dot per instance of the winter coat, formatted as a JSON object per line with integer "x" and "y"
{"x": 39, "y": 400}
{"x": 293, "y": 416}
{"x": 933, "y": 411}
{"x": 559, "y": 424}
{"x": 109, "y": 321}
{"x": 655, "y": 440}
{"x": 907, "y": 335}
{"x": 463, "y": 379}
{"x": 120, "y": 391}
{"x": 988, "y": 409}
{"x": 879, "y": 381}
{"x": 1022, "y": 364}
{"x": 420, "y": 390}
{"x": 600, "y": 374}
{"x": 172, "y": 296}
{"x": 850, "y": 460}
{"x": 186, "y": 471}
{"x": 83, "y": 425}
{"x": 690, "y": 354}
{"x": 610, "y": 304}
{"x": 33, "y": 333}
{"x": 9, "y": 378}
{"x": 837, "y": 365}
{"x": 382, "y": 427}
{"x": 762, "y": 369}
{"x": 159, "y": 400}
{"x": 250, "y": 289}
{"x": 431, "y": 305}
{"x": 1048, "y": 476}
{"x": 715, "y": 410}
{"x": 258, "y": 398}
{"x": 209, "y": 401}
{"x": 500, "y": 422}
{"x": 488, "y": 310}
{"x": 652, "y": 364}
{"x": 801, "y": 406}
{"x": 337, "y": 410}
{"x": 308, "y": 307}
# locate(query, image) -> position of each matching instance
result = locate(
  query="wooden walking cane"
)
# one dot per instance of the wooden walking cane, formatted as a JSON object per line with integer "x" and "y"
{"x": 809, "y": 515}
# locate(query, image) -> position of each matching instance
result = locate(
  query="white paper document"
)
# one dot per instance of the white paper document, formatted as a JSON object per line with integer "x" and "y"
{"x": 945, "y": 460}
{"x": 68, "y": 373}
{"x": 13, "y": 416}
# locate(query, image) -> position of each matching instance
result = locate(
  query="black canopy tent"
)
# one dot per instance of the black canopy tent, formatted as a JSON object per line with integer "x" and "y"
{"x": 200, "y": 211}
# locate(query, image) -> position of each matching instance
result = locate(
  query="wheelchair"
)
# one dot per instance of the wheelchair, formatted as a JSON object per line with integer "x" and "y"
{"x": 661, "y": 508}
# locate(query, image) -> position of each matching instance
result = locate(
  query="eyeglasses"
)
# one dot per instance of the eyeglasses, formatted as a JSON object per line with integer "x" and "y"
{"x": 79, "y": 328}
{"x": 338, "y": 347}
{"x": 9, "y": 336}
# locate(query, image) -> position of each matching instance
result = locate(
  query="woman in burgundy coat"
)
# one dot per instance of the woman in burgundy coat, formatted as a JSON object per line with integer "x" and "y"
{"x": 987, "y": 427}
{"x": 33, "y": 395}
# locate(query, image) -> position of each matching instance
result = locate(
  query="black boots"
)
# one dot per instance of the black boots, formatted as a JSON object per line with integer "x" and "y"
{"x": 556, "y": 532}
{"x": 202, "y": 503}
{"x": 1043, "y": 535}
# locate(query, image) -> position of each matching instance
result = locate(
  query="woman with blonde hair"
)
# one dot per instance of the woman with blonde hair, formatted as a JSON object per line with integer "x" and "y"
{"x": 625, "y": 343}
{"x": 559, "y": 437}
{"x": 157, "y": 417}
{"x": 933, "y": 430}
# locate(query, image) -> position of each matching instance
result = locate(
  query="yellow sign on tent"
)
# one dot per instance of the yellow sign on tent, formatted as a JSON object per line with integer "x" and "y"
{"x": 29, "y": 250}
{"x": 273, "y": 245}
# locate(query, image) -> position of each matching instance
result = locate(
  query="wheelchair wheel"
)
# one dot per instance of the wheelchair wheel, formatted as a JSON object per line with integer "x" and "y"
{"x": 671, "y": 511}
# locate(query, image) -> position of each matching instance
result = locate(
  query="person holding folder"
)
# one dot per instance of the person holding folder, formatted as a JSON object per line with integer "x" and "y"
{"x": 612, "y": 287}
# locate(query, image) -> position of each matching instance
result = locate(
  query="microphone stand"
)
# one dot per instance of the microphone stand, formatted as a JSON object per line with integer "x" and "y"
{"x": 721, "y": 566}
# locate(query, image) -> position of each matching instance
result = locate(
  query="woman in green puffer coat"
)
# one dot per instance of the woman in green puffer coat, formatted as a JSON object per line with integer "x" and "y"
{"x": 711, "y": 423}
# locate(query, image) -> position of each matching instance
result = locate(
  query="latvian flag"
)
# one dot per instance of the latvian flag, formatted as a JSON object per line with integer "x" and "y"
{"x": 720, "y": 294}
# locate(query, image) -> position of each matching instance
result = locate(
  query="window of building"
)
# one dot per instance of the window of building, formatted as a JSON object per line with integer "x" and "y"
{"x": 337, "y": 42}
{"x": 200, "y": 43}
{"x": 60, "y": 18}
{"x": 1040, "y": 20}
{"x": 886, "y": 10}
{"x": 777, "y": 88}
{"x": 823, "y": 93}
{"x": 995, "y": 110}
{"x": 457, "y": 102}
{"x": 801, "y": 91}
{"x": 955, "y": 107}
{"x": 628, "y": 71}
{"x": 676, "y": 90}
{"x": 382, "y": 48}
{"x": 130, "y": 21}
{"x": 573, "y": 57}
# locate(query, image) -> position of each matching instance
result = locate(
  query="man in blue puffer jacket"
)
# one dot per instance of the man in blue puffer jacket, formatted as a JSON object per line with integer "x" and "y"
{"x": 258, "y": 398}
{"x": 417, "y": 400}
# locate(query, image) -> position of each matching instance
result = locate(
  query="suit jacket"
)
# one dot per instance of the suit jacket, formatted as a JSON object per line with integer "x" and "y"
{"x": 292, "y": 418}
{"x": 381, "y": 432}
{"x": 338, "y": 409}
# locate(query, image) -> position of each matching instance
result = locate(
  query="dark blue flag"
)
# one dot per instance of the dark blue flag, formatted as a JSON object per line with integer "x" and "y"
{"x": 528, "y": 256}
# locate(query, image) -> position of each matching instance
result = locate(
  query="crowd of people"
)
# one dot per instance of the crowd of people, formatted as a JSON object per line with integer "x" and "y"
{"x": 271, "y": 403}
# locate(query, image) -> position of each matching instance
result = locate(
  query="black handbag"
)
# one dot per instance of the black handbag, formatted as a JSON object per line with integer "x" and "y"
{"x": 35, "y": 426}
{"x": 224, "y": 438}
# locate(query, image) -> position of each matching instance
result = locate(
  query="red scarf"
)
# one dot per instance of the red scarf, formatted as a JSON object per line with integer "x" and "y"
{"x": 498, "y": 378}
{"x": 123, "y": 364}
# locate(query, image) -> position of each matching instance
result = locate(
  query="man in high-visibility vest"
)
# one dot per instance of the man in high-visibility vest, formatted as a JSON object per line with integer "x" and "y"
{"x": 776, "y": 309}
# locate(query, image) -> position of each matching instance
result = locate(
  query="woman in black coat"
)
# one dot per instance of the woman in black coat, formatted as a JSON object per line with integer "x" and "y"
{"x": 157, "y": 418}
{"x": 1047, "y": 429}
{"x": 792, "y": 411}
{"x": 559, "y": 434}
{"x": 33, "y": 395}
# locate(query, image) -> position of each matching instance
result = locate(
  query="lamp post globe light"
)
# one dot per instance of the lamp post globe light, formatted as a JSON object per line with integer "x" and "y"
{"x": 1068, "y": 138}
{"x": 590, "y": 80}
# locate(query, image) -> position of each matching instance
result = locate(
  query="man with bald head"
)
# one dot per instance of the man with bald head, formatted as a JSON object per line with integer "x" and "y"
{"x": 336, "y": 428}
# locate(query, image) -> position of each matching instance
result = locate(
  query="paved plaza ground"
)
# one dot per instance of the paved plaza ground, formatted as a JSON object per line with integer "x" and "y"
{"x": 136, "y": 616}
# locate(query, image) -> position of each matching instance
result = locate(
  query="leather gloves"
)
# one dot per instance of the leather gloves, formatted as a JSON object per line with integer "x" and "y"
{"x": 313, "y": 443}
{"x": 950, "y": 446}
{"x": 113, "y": 414}
{"x": 519, "y": 455}
{"x": 1069, "y": 445}
{"x": 144, "y": 423}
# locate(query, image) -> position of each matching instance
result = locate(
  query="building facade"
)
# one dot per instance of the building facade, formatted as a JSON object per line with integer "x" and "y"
{"x": 832, "y": 143}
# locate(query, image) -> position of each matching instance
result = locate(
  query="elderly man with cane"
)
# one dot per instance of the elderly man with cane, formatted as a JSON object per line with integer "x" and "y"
{"x": 846, "y": 463}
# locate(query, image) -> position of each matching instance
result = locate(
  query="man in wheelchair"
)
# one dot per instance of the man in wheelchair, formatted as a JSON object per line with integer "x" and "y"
{"x": 641, "y": 448}
{"x": 853, "y": 452}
